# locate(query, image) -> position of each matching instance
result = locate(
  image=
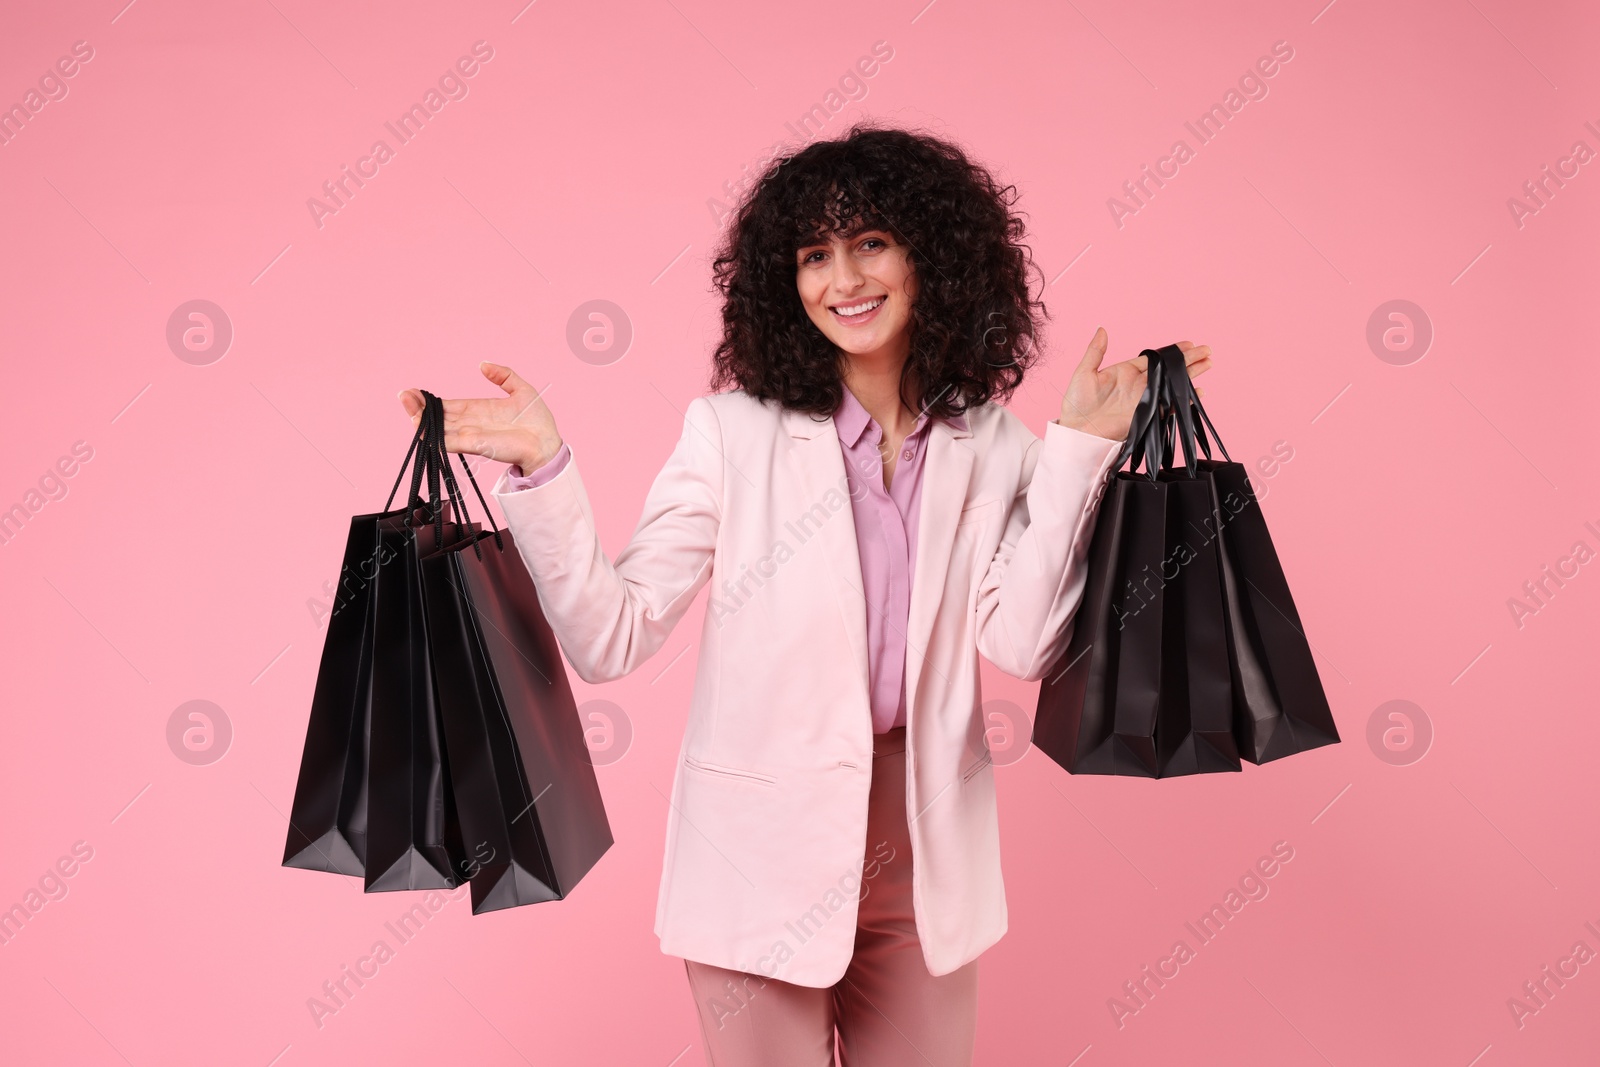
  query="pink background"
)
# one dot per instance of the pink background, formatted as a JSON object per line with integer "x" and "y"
{"x": 180, "y": 563}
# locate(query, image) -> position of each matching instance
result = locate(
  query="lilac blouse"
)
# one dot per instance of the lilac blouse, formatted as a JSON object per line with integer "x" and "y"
{"x": 886, "y": 541}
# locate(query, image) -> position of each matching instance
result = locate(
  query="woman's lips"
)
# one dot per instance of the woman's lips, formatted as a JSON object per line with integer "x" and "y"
{"x": 865, "y": 316}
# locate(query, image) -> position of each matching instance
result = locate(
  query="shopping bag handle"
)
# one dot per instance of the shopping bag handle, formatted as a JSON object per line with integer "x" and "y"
{"x": 1182, "y": 407}
{"x": 438, "y": 461}
{"x": 419, "y": 449}
{"x": 432, "y": 460}
{"x": 1169, "y": 416}
{"x": 1144, "y": 444}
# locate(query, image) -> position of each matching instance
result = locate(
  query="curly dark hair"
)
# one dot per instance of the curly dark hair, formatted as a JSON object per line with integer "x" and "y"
{"x": 974, "y": 329}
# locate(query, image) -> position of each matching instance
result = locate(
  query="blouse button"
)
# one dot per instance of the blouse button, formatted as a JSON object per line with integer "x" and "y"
{"x": 906, "y": 454}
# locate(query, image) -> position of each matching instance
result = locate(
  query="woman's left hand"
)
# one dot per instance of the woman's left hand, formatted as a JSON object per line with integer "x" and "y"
{"x": 1102, "y": 401}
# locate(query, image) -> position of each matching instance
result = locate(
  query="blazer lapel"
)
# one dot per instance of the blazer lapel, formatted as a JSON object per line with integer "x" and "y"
{"x": 814, "y": 451}
{"x": 946, "y": 473}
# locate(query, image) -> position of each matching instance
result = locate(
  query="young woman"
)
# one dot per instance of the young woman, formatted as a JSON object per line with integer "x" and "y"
{"x": 869, "y": 519}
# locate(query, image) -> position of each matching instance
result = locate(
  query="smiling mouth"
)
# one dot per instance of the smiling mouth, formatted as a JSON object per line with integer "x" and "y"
{"x": 858, "y": 311}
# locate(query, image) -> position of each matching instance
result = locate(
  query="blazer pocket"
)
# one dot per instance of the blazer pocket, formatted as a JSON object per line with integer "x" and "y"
{"x": 736, "y": 773}
{"x": 976, "y": 509}
{"x": 977, "y": 512}
{"x": 983, "y": 761}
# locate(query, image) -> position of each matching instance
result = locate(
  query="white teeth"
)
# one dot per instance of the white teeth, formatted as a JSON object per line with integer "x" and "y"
{"x": 859, "y": 309}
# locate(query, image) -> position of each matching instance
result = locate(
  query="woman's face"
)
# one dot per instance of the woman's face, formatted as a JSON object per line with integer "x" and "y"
{"x": 859, "y": 290}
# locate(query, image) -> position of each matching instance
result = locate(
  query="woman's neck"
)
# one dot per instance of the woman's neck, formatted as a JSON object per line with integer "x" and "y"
{"x": 877, "y": 387}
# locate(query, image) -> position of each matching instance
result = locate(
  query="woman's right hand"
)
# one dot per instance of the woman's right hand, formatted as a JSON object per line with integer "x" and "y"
{"x": 516, "y": 428}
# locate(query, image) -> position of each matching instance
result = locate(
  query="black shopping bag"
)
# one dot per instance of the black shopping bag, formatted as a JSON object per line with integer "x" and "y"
{"x": 1281, "y": 707}
{"x": 525, "y": 788}
{"x": 1195, "y": 730}
{"x": 1199, "y": 688}
{"x": 413, "y": 832}
{"x": 328, "y": 819}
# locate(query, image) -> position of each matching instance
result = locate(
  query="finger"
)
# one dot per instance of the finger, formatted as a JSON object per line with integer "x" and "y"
{"x": 503, "y": 376}
{"x": 1196, "y": 352}
{"x": 411, "y": 401}
{"x": 1096, "y": 352}
{"x": 1199, "y": 366}
{"x": 467, "y": 439}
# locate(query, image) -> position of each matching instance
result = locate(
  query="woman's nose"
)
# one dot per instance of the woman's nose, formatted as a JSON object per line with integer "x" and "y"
{"x": 847, "y": 276}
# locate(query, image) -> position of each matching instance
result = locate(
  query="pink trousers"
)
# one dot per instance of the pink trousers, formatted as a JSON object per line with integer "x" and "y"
{"x": 888, "y": 1010}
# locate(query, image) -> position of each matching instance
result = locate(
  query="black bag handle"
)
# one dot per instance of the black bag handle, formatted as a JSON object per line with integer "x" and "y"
{"x": 1184, "y": 405}
{"x": 432, "y": 460}
{"x": 1144, "y": 444}
{"x": 1169, "y": 417}
{"x": 437, "y": 460}
{"x": 1178, "y": 420}
{"x": 425, "y": 462}
{"x": 416, "y": 476}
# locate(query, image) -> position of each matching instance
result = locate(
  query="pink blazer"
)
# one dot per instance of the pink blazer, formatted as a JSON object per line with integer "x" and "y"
{"x": 766, "y": 836}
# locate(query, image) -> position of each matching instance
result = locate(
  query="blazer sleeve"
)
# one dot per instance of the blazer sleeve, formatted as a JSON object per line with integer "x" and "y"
{"x": 610, "y": 617}
{"x": 1027, "y": 597}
